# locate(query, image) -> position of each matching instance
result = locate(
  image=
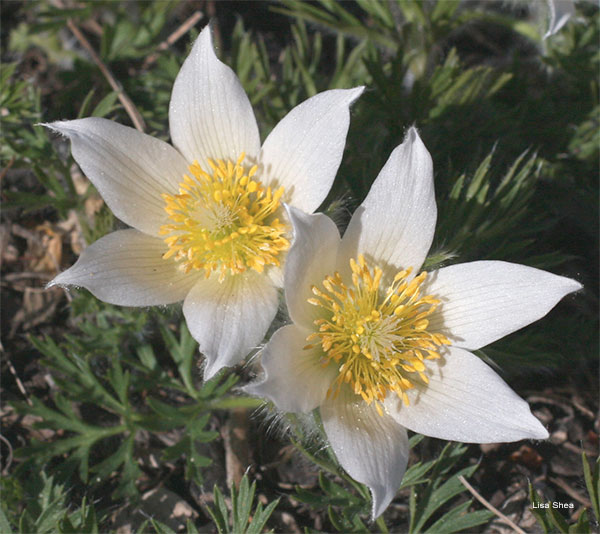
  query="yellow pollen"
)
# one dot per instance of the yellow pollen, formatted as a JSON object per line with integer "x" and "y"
{"x": 224, "y": 220}
{"x": 377, "y": 339}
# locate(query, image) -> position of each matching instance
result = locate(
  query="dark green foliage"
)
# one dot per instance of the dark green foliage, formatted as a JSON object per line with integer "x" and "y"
{"x": 47, "y": 510}
{"x": 443, "y": 485}
{"x": 552, "y": 520}
{"x": 511, "y": 122}
{"x": 478, "y": 222}
{"x": 344, "y": 508}
{"x": 26, "y": 145}
{"x": 89, "y": 373}
{"x": 242, "y": 519}
{"x": 433, "y": 484}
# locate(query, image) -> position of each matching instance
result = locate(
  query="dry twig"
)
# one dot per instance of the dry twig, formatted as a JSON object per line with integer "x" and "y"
{"x": 13, "y": 372}
{"x": 235, "y": 440}
{"x": 9, "y": 459}
{"x": 173, "y": 38}
{"x": 129, "y": 106}
{"x": 577, "y": 450}
{"x": 571, "y": 492}
{"x": 491, "y": 508}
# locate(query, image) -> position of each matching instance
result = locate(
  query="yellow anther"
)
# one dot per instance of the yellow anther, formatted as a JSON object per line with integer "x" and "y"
{"x": 378, "y": 335}
{"x": 221, "y": 221}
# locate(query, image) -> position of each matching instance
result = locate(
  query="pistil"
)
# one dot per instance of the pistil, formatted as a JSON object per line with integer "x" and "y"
{"x": 224, "y": 220}
{"x": 379, "y": 339}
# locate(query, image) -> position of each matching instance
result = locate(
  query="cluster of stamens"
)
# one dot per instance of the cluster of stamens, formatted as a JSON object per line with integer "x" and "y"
{"x": 224, "y": 220}
{"x": 378, "y": 339}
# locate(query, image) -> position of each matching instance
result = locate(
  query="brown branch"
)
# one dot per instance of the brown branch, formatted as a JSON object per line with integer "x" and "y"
{"x": 7, "y": 168}
{"x": 491, "y": 508}
{"x": 129, "y": 106}
{"x": 9, "y": 460}
{"x": 173, "y": 38}
{"x": 235, "y": 440}
{"x": 577, "y": 450}
{"x": 571, "y": 492}
{"x": 13, "y": 372}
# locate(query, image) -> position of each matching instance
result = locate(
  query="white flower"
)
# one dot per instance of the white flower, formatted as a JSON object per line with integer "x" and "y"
{"x": 559, "y": 13}
{"x": 379, "y": 350}
{"x": 208, "y": 223}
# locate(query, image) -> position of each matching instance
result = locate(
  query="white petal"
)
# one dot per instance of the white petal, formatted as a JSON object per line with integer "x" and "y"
{"x": 304, "y": 151}
{"x": 130, "y": 169}
{"x": 294, "y": 379}
{"x": 210, "y": 115}
{"x": 394, "y": 225}
{"x": 559, "y": 13}
{"x": 466, "y": 401}
{"x": 311, "y": 257}
{"x": 483, "y": 301}
{"x": 127, "y": 268}
{"x": 231, "y": 318}
{"x": 373, "y": 449}
{"x": 275, "y": 274}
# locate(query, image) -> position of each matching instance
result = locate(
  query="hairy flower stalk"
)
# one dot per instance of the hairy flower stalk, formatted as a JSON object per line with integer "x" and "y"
{"x": 207, "y": 216}
{"x": 379, "y": 347}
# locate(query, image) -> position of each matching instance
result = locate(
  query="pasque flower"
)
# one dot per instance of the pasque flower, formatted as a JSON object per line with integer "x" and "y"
{"x": 207, "y": 217}
{"x": 559, "y": 13}
{"x": 380, "y": 348}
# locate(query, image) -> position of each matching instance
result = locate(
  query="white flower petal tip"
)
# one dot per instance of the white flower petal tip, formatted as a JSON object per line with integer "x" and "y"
{"x": 210, "y": 115}
{"x": 62, "y": 279}
{"x": 396, "y": 222}
{"x": 483, "y": 301}
{"x": 381, "y": 496}
{"x": 304, "y": 150}
{"x": 311, "y": 258}
{"x": 212, "y": 367}
{"x": 372, "y": 448}
{"x": 126, "y": 268}
{"x": 53, "y": 126}
{"x": 466, "y": 401}
{"x": 559, "y": 13}
{"x": 290, "y": 366}
{"x": 230, "y": 318}
{"x": 307, "y": 222}
{"x": 131, "y": 170}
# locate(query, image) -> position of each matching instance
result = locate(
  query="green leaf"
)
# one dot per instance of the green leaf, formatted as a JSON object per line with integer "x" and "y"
{"x": 241, "y": 504}
{"x": 582, "y": 525}
{"x": 540, "y": 513}
{"x": 183, "y": 353}
{"x": 558, "y": 521}
{"x": 161, "y": 528}
{"x": 4, "y": 524}
{"x": 243, "y": 519}
{"x": 459, "y": 519}
{"x": 260, "y": 518}
{"x": 592, "y": 482}
{"x": 219, "y": 514}
{"x": 106, "y": 105}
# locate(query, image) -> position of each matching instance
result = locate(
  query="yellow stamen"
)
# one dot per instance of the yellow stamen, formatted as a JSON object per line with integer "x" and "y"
{"x": 224, "y": 220}
{"x": 379, "y": 340}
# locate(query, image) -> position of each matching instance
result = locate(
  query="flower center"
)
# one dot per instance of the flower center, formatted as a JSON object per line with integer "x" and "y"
{"x": 379, "y": 339}
{"x": 224, "y": 220}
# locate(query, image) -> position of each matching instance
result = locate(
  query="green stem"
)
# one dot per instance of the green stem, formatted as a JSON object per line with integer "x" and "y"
{"x": 228, "y": 403}
{"x": 330, "y": 467}
{"x": 321, "y": 463}
{"x": 102, "y": 433}
{"x": 381, "y": 524}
